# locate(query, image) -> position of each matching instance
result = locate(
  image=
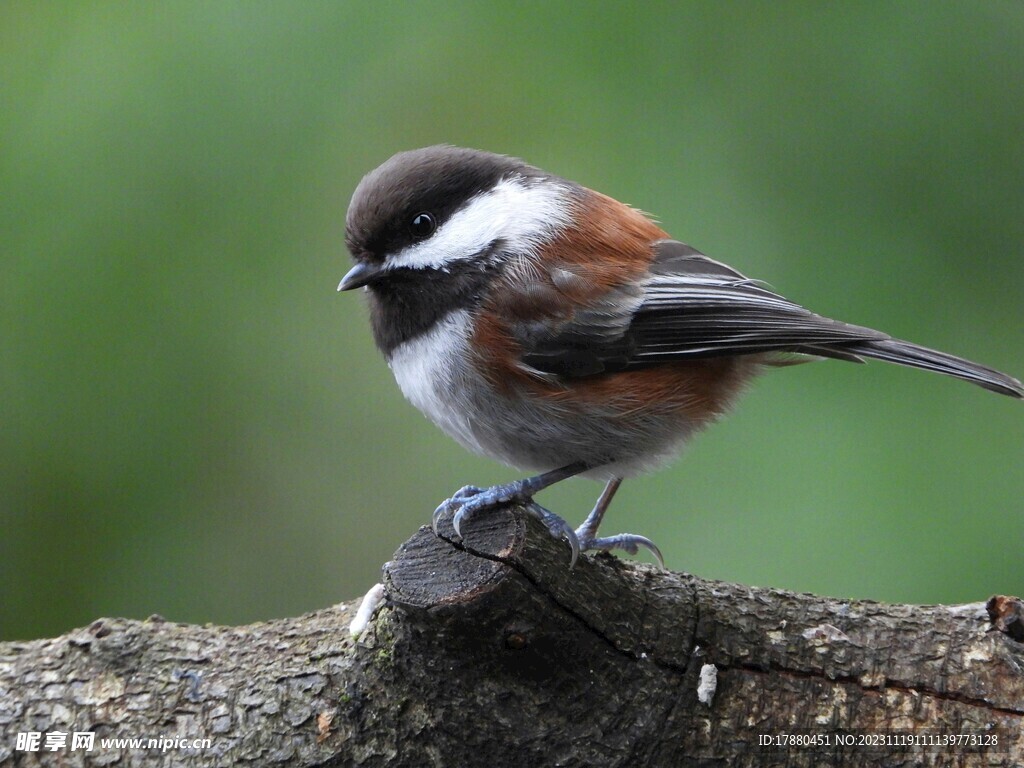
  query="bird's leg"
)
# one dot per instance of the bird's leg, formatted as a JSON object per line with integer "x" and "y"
{"x": 628, "y": 542}
{"x": 469, "y": 500}
{"x": 588, "y": 530}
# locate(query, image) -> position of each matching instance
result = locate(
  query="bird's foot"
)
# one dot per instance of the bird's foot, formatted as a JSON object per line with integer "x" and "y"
{"x": 627, "y": 542}
{"x": 470, "y": 499}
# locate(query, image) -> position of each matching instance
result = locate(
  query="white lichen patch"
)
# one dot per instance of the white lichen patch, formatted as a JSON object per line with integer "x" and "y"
{"x": 707, "y": 684}
{"x": 372, "y": 601}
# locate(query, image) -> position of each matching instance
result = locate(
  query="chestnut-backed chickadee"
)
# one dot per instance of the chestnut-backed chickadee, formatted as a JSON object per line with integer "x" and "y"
{"x": 558, "y": 330}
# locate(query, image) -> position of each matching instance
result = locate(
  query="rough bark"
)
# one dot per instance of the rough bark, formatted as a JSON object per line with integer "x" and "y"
{"x": 491, "y": 652}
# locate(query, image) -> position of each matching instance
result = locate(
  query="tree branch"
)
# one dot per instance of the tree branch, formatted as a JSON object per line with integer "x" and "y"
{"x": 492, "y": 652}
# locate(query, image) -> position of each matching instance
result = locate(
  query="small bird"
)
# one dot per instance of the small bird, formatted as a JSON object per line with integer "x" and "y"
{"x": 559, "y": 331}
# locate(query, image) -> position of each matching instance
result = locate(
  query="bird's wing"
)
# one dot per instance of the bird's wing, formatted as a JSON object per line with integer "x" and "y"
{"x": 688, "y": 306}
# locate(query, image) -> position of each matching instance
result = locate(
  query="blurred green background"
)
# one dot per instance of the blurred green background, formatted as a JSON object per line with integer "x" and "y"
{"x": 193, "y": 422}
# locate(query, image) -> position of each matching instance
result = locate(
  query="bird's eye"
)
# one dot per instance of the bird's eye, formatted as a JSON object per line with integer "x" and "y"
{"x": 422, "y": 225}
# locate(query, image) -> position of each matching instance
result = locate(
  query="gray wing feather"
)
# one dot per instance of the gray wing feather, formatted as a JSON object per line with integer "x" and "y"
{"x": 691, "y": 306}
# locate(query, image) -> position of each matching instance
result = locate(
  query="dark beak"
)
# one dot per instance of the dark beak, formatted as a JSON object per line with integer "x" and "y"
{"x": 363, "y": 273}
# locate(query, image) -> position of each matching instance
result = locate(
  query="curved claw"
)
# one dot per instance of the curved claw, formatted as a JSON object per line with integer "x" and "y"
{"x": 651, "y": 547}
{"x": 461, "y": 505}
{"x": 558, "y": 528}
{"x": 457, "y": 518}
{"x": 439, "y": 513}
{"x": 574, "y": 545}
{"x": 627, "y": 542}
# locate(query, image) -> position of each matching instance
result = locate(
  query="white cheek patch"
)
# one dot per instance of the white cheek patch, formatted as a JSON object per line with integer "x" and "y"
{"x": 523, "y": 213}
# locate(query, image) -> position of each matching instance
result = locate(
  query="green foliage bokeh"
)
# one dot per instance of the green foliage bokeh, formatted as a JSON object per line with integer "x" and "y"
{"x": 193, "y": 422}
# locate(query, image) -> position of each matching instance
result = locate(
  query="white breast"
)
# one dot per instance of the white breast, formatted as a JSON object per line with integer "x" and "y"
{"x": 430, "y": 375}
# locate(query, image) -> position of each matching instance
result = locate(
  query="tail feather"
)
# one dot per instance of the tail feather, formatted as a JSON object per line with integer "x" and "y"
{"x": 905, "y": 353}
